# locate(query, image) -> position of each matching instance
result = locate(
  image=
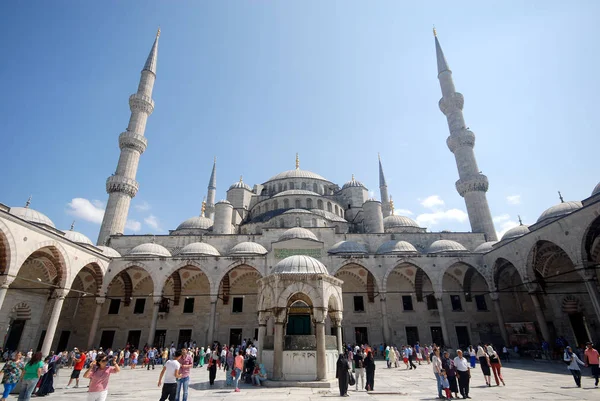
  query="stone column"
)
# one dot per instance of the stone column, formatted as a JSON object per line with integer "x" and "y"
{"x": 95, "y": 320}
{"x": 384, "y": 318}
{"x": 442, "y": 313}
{"x": 320, "y": 316}
{"x": 500, "y": 317}
{"x": 592, "y": 289}
{"x": 278, "y": 350}
{"x": 539, "y": 314}
{"x": 262, "y": 332}
{"x": 153, "y": 322}
{"x": 53, "y": 322}
{"x": 211, "y": 319}
{"x": 3, "y": 290}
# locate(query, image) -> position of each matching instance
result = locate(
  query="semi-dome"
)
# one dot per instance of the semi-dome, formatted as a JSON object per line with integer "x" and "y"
{"x": 199, "y": 248}
{"x": 353, "y": 184}
{"x": 445, "y": 245}
{"x": 291, "y": 192}
{"x": 31, "y": 215}
{"x": 300, "y": 264}
{"x": 297, "y": 173}
{"x": 108, "y": 251}
{"x": 348, "y": 247}
{"x": 485, "y": 247}
{"x": 562, "y": 209}
{"x": 394, "y": 221}
{"x": 394, "y": 246}
{"x": 149, "y": 249}
{"x": 516, "y": 232}
{"x": 77, "y": 237}
{"x": 298, "y": 233}
{"x": 248, "y": 248}
{"x": 596, "y": 190}
{"x": 196, "y": 223}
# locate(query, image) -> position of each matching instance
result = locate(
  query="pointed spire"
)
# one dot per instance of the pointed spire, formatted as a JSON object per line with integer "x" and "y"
{"x": 212, "y": 183}
{"x": 442, "y": 64}
{"x": 520, "y": 221}
{"x": 392, "y": 205}
{"x": 297, "y": 162}
{"x": 153, "y": 56}
{"x": 73, "y": 225}
{"x": 28, "y": 202}
{"x": 560, "y": 197}
{"x": 381, "y": 176}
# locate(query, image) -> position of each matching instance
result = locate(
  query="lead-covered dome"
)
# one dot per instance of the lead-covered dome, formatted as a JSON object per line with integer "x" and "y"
{"x": 345, "y": 247}
{"x": 77, "y": 237}
{"x": 248, "y": 248}
{"x": 516, "y": 232}
{"x": 596, "y": 190}
{"x": 395, "y": 221}
{"x": 196, "y": 223}
{"x": 240, "y": 185}
{"x": 353, "y": 183}
{"x": 300, "y": 264}
{"x": 297, "y": 173}
{"x": 31, "y": 215}
{"x": 485, "y": 247}
{"x": 445, "y": 245}
{"x": 199, "y": 248}
{"x": 298, "y": 233}
{"x": 394, "y": 247}
{"x": 562, "y": 209}
{"x": 108, "y": 251}
{"x": 149, "y": 249}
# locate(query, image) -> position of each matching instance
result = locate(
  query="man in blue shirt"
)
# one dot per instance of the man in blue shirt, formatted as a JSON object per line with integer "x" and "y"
{"x": 151, "y": 357}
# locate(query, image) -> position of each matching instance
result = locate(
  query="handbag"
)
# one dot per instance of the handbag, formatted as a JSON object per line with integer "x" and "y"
{"x": 351, "y": 380}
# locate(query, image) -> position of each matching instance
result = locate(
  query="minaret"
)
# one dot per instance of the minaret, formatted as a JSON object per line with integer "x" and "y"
{"x": 212, "y": 192}
{"x": 385, "y": 199}
{"x": 122, "y": 186}
{"x": 472, "y": 185}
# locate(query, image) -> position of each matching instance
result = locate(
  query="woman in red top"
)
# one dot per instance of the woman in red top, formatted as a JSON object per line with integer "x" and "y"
{"x": 238, "y": 366}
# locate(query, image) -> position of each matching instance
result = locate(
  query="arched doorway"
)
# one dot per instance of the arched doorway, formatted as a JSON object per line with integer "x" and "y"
{"x": 299, "y": 316}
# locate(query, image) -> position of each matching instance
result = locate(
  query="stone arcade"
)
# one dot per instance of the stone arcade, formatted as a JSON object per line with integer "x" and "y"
{"x": 296, "y": 260}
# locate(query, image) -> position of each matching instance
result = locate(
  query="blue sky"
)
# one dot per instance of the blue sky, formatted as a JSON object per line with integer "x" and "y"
{"x": 255, "y": 82}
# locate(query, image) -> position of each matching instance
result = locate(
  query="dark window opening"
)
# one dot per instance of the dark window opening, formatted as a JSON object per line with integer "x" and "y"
{"x": 188, "y": 305}
{"x": 138, "y": 308}
{"x": 407, "y": 302}
{"x": 456, "y": 303}
{"x": 359, "y": 304}
{"x": 113, "y": 308}
{"x": 480, "y": 301}
{"x": 431, "y": 302}
{"x": 238, "y": 305}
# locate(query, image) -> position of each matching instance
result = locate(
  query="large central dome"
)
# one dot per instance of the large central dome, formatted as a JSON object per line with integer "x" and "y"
{"x": 297, "y": 173}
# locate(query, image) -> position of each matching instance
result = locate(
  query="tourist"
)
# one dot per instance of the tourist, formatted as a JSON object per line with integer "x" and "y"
{"x": 427, "y": 351}
{"x": 437, "y": 371}
{"x": 464, "y": 374}
{"x": 448, "y": 366}
{"x": 505, "y": 354}
{"x": 238, "y": 366}
{"x": 341, "y": 373}
{"x": 30, "y": 375}
{"x": 186, "y": 361}
{"x": 592, "y": 360}
{"x": 99, "y": 372}
{"x": 79, "y": 360}
{"x": 151, "y": 355}
{"x": 405, "y": 356}
{"x": 387, "y": 356}
{"x": 12, "y": 374}
{"x": 410, "y": 357}
{"x": 472, "y": 356}
{"x": 229, "y": 372}
{"x": 369, "y": 364}
{"x": 484, "y": 363}
{"x": 397, "y": 356}
{"x": 165, "y": 355}
{"x": 47, "y": 380}
{"x": 495, "y": 364}
{"x": 213, "y": 361}
{"x": 359, "y": 367}
{"x": 259, "y": 376}
{"x": 573, "y": 366}
{"x": 127, "y": 357}
{"x": 170, "y": 372}
{"x": 392, "y": 358}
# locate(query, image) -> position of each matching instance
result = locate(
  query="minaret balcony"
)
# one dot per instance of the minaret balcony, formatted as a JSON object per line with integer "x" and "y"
{"x": 117, "y": 183}
{"x": 132, "y": 140}
{"x": 451, "y": 103}
{"x": 478, "y": 182}
{"x": 463, "y": 138}
{"x": 141, "y": 103}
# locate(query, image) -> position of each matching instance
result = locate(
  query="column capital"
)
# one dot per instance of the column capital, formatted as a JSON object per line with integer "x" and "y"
{"x": 319, "y": 315}
{"x": 60, "y": 293}
{"x": 6, "y": 281}
{"x": 494, "y": 296}
{"x": 100, "y": 300}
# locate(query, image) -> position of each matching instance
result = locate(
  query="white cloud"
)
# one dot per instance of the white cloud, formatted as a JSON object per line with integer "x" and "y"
{"x": 133, "y": 225}
{"x": 433, "y": 202}
{"x": 142, "y": 207}
{"x": 513, "y": 199}
{"x": 84, "y": 209}
{"x": 403, "y": 212}
{"x": 441, "y": 216}
{"x": 152, "y": 221}
{"x": 503, "y": 223}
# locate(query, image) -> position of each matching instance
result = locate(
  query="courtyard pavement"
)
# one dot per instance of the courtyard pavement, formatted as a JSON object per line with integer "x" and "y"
{"x": 524, "y": 381}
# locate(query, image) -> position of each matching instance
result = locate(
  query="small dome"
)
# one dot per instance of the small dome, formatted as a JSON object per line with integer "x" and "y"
{"x": 290, "y": 192}
{"x": 516, "y": 232}
{"x": 300, "y": 264}
{"x": 292, "y": 211}
{"x": 224, "y": 201}
{"x": 399, "y": 221}
{"x": 353, "y": 184}
{"x": 297, "y": 173}
{"x": 77, "y": 237}
{"x": 248, "y": 248}
{"x": 31, "y": 215}
{"x": 298, "y": 232}
{"x": 348, "y": 247}
{"x": 596, "y": 190}
{"x": 196, "y": 223}
{"x": 108, "y": 251}
{"x": 149, "y": 249}
{"x": 199, "y": 248}
{"x": 240, "y": 185}
{"x": 393, "y": 247}
{"x": 485, "y": 247}
{"x": 444, "y": 245}
{"x": 562, "y": 209}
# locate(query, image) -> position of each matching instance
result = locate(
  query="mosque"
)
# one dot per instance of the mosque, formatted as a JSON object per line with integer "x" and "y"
{"x": 299, "y": 255}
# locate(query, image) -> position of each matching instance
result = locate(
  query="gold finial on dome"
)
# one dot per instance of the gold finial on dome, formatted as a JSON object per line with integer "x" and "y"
{"x": 241, "y": 178}
{"x": 392, "y": 205}
{"x": 203, "y": 207}
{"x": 73, "y": 225}
{"x": 28, "y": 202}
{"x": 561, "y": 198}
{"x": 158, "y": 33}
{"x": 297, "y": 162}
{"x": 352, "y": 177}
{"x": 520, "y": 221}
{"x": 434, "y": 31}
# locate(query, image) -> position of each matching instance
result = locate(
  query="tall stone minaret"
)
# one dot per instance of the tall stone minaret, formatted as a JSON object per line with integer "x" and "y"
{"x": 385, "y": 199}
{"x": 122, "y": 186}
{"x": 472, "y": 185}
{"x": 212, "y": 192}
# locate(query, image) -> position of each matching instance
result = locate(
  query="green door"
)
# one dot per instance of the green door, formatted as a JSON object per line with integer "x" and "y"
{"x": 298, "y": 325}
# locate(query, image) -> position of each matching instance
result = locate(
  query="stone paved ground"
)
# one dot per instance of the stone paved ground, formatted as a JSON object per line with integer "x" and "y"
{"x": 524, "y": 381}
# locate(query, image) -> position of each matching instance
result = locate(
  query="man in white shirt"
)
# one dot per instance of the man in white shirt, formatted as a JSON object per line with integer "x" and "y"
{"x": 253, "y": 351}
{"x": 170, "y": 372}
{"x": 464, "y": 373}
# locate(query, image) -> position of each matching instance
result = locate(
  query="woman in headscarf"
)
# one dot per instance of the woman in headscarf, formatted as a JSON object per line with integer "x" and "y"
{"x": 387, "y": 356}
{"x": 213, "y": 361}
{"x": 496, "y": 365}
{"x": 484, "y": 363}
{"x": 341, "y": 373}
{"x": 392, "y": 361}
{"x": 370, "y": 370}
{"x": 47, "y": 379}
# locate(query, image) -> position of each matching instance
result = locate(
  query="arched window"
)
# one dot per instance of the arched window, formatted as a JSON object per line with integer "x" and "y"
{"x": 320, "y": 204}
{"x": 336, "y": 210}
{"x": 309, "y": 203}
{"x": 281, "y": 223}
{"x": 298, "y": 204}
{"x": 291, "y": 185}
{"x": 329, "y": 207}
{"x": 285, "y": 187}
{"x": 286, "y": 203}
{"x": 280, "y": 187}
{"x": 298, "y": 223}
{"x": 314, "y": 222}
{"x": 315, "y": 187}
{"x": 275, "y": 205}
{"x": 303, "y": 185}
